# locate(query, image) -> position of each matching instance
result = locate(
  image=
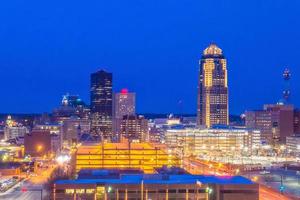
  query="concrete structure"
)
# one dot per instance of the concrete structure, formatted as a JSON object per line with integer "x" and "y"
{"x": 10, "y": 169}
{"x": 297, "y": 121}
{"x": 213, "y": 88}
{"x": 101, "y": 104}
{"x": 38, "y": 143}
{"x": 56, "y": 133}
{"x": 216, "y": 141}
{"x": 123, "y": 104}
{"x": 142, "y": 156}
{"x": 134, "y": 128}
{"x": 276, "y": 122}
{"x": 12, "y": 132}
{"x": 73, "y": 128}
{"x": 117, "y": 185}
{"x": 293, "y": 145}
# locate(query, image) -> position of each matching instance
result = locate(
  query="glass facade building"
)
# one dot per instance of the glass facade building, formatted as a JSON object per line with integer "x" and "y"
{"x": 101, "y": 104}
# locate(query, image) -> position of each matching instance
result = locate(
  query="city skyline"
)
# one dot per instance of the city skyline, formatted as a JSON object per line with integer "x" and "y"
{"x": 150, "y": 100}
{"x": 152, "y": 45}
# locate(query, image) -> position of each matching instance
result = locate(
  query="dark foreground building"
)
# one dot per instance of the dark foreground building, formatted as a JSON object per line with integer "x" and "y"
{"x": 117, "y": 185}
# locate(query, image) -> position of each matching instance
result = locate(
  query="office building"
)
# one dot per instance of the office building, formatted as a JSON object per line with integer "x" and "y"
{"x": 212, "y": 105}
{"x": 73, "y": 128}
{"x": 71, "y": 106}
{"x": 297, "y": 121}
{"x": 123, "y": 104}
{"x": 143, "y": 156}
{"x": 14, "y": 130}
{"x": 293, "y": 145}
{"x": 134, "y": 128}
{"x": 217, "y": 141}
{"x": 56, "y": 133}
{"x": 101, "y": 104}
{"x": 276, "y": 122}
{"x": 117, "y": 185}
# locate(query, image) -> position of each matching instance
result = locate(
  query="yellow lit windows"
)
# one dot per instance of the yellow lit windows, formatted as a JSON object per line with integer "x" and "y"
{"x": 90, "y": 191}
{"x": 79, "y": 191}
{"x": 69, "y": 191}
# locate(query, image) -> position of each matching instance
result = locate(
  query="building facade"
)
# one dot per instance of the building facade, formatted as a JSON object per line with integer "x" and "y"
{"x": 297, "y": 121}
{"x": 38, "y": 143}
{"x": 212, "y": 105}
{"x": 293, "y": 145}
{"x": 215, "y": 142}
{"x": 14, "y": 130}
{"x": 143, "y": 156}
{"x": 116, "y": 186}
{"x": 73, "y": 128}
{"x": 101, "y": 104}
{"x": 275, "y": 121}
{"x": 123, "y": 104}
{"x": 134, "y": 128}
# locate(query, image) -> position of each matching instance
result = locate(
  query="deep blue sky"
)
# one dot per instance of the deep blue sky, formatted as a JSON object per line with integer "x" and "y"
{"x": 48, "y": 48}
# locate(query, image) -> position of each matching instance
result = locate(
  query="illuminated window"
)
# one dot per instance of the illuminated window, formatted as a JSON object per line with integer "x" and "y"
{"x": 90, "y": 191}
{"x": 69, "y": 191}
{"x": 79, "y": 191}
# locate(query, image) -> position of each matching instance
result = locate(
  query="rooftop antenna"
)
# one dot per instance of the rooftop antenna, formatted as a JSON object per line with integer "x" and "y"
{"x": 286, "y": 91}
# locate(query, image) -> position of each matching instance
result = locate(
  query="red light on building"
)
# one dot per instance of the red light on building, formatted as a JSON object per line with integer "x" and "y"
{"x": 24, "y": 189}
{"x": 124, "y": 91}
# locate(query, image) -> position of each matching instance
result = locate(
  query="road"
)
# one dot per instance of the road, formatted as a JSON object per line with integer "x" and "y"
{"x": 30, "y": 189}
{"x": 268, "y": 194}
{"x": 199, "y": 167}
{"x": 24, "y": 191}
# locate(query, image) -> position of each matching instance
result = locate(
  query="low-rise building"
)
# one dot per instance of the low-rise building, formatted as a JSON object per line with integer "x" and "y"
{"x": 115, "y": 185}
{"x": 144, "y": 156}
{"x": 222, "y": 140}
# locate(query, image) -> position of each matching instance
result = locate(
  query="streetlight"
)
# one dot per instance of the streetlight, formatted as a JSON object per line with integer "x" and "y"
{"x": 39, "y": 148}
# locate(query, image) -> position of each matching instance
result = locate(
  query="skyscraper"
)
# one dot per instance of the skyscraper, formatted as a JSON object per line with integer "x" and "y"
{"x": 123, "y": 104}
{"x": 101, "y": 104}
{"x": 212, "y": 105}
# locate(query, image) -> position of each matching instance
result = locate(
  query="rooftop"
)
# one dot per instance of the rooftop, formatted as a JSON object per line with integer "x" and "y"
{"x": 212, "y": 49}
{"x": 116, "y": 176}
{"x": 161, "y": 179}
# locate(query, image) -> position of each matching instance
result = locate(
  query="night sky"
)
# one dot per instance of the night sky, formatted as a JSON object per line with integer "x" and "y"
{"x": 152, "y": 47}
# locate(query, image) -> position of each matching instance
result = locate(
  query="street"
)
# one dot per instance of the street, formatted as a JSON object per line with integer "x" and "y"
{"x": 31, "y": 188}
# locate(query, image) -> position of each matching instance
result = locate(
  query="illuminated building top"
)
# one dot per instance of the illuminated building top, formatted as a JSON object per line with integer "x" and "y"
{"x": 212, "y": 49}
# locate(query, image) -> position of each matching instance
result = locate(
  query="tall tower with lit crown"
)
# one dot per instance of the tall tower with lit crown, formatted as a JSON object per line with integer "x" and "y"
{"x": 212, "y": 105}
